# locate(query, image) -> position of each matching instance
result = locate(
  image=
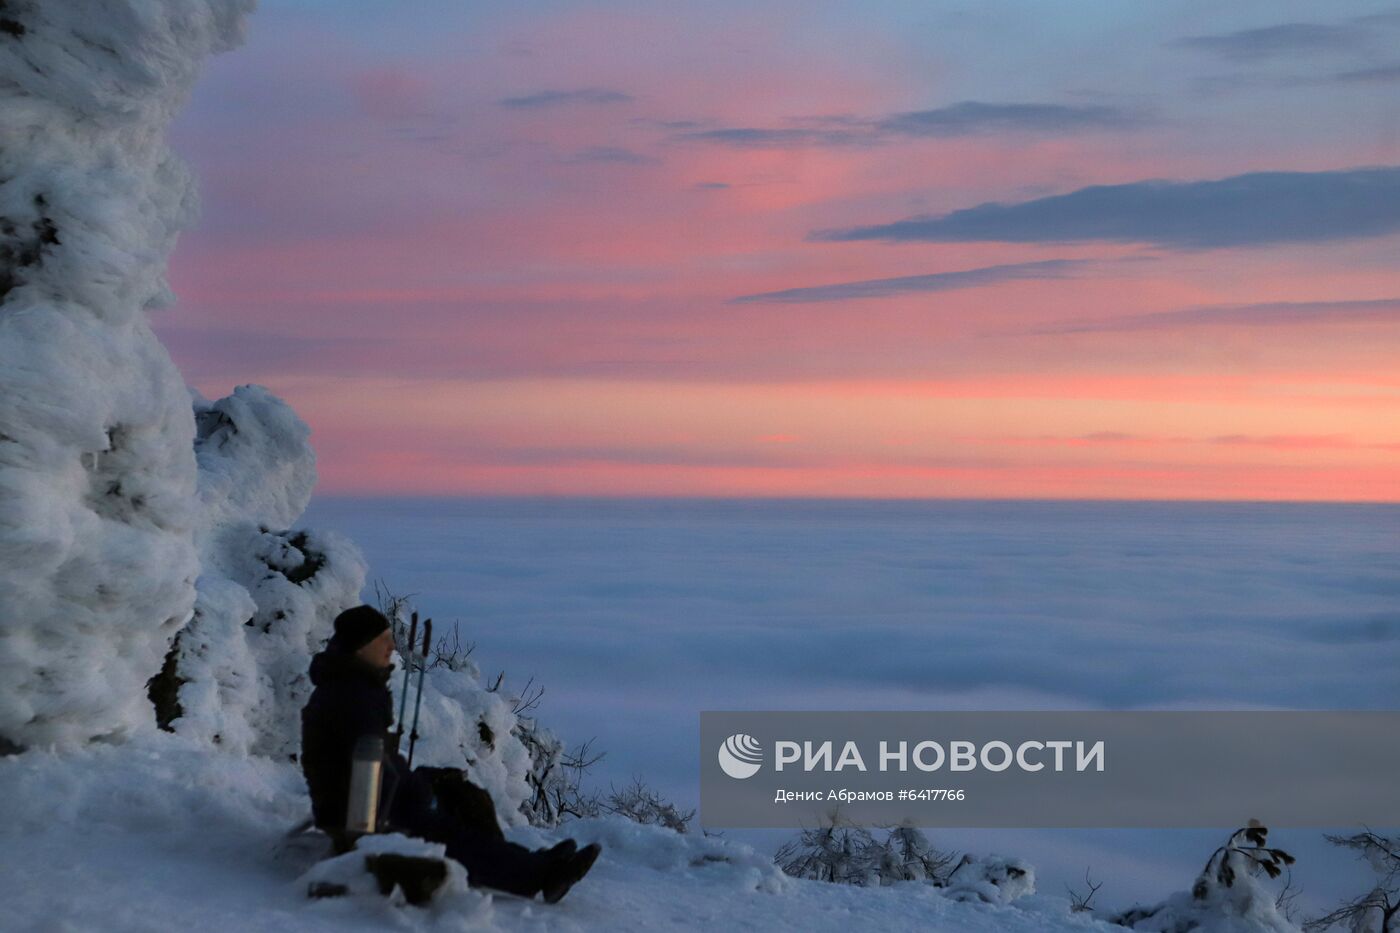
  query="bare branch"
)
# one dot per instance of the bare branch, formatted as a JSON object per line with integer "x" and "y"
{"x": 1081, "y": 902}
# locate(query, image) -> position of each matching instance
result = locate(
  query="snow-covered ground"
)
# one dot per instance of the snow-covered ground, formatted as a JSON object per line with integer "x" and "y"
{"x": 161, "y": 833}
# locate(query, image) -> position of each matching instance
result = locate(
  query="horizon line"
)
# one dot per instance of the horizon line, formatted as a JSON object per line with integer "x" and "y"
{"x": 701, "y": 497}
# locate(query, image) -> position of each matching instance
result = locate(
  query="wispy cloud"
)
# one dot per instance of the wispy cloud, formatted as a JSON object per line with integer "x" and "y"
{"x": 558, "y": 98}
{"x": 652, "y": 455}
{"x": 1270, "y": 441}
{"x": 1074, "y": 440}
{"x": 972, "y": 117}
{"x": 1378, "y": 75}
{"x": 1255, "y": 209}
{"x": 1292, "y": 441}
{"x": 611, "y": 154}
{"x": 1280, "y": 39}
{"x": 749, "y": 137}
{"x": 966, "y": 118}
{"x": 1271, "y": 313}
{"x": 654, "y": 123}
{"x": 933, "y": 282}
{"x": 1357, "y": 37}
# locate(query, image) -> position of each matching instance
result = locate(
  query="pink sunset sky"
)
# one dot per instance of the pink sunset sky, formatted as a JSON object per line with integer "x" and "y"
{"x": 906, "y": 249}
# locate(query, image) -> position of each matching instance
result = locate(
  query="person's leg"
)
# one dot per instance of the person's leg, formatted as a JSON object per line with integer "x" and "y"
{"x": 490, "y": 860}
{"x": 467, "y": 803}
{"x": 495, "y": 863}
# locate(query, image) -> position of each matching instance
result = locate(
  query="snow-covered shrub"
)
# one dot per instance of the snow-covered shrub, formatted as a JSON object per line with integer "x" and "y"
{"x": 98, "y": 514}
{"x": 642, "y": 804}
{"x": 1229, "y": 895}
{"x": 556, "y": 776}
{"x": 992, "y": 879}
{"x": 843, "y": 853}
{"x": 909, "y": 856}
{"x": 464, "y": 724}
{"x": 834, "y": 851}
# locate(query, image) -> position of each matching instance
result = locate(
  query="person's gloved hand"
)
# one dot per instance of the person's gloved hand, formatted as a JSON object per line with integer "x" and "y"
{"x": 391, "y": 743}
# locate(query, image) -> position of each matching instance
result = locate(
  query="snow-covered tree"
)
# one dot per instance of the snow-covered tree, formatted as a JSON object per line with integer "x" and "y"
{"x": 992, "y": 879}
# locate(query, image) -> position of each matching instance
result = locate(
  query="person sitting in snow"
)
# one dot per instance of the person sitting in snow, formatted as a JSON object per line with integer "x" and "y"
{"x": 351, "y": 699}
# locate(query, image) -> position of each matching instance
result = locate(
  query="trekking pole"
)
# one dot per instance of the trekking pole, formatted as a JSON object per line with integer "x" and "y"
{"x": 418, "y": 703}
{"x": 407, "y": 671}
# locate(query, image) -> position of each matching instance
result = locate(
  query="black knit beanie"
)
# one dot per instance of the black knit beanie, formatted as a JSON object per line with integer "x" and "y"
{"x": 357, "y": 627}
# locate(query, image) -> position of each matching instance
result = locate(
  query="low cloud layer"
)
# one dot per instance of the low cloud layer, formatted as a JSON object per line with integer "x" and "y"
{"x": 892, "y": 605}
{"x": 1256, "y": 209}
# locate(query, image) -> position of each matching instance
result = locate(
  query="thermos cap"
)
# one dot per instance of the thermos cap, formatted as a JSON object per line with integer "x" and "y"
{"x": 369, "y": 748}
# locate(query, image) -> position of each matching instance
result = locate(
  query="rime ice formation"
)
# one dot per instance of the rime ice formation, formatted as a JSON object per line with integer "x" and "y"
{"x": 150, "y": 572}
{"x": 97, "y": 476}
{"x": 236, "y": 675}
{"x": 130, "y": 519}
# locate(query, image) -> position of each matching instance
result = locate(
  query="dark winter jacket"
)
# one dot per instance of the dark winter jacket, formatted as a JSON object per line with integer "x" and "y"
{"x": 351, "y": 699}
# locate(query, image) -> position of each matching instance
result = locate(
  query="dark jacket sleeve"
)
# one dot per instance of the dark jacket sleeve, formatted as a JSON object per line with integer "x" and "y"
{"x": 332, "y": 721}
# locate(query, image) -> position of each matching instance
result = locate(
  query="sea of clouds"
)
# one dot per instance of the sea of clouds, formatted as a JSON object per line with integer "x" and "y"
{"x": 635, "y": 615}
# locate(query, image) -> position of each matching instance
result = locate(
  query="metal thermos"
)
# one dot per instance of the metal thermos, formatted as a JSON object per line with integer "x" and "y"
{"x": 362, "y": 816}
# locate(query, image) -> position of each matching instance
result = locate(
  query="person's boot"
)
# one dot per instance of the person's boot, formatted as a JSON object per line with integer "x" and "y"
{"x": 562, "y": 876}
{"x": 562, "y": 850}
